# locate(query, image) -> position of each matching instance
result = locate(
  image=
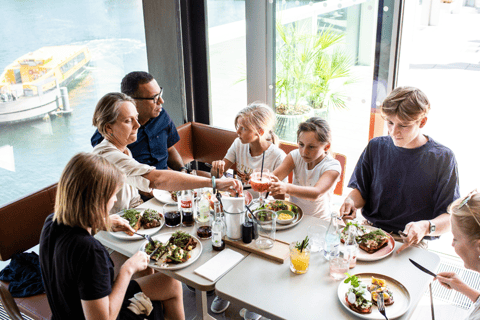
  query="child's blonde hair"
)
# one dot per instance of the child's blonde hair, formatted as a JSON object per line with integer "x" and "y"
{"x": 407, "y": 103}
{"x": 317, "y": 125}
{"x": 259, "y": 116}
{"x": 466, "y": 211}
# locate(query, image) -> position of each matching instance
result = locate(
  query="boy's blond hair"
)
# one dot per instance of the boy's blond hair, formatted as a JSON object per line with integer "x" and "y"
{"x": 407, "y": 103}
{"x": 259, "y": 116}
{"x": 86, "y": 185}
{"x": 467, "y": 215}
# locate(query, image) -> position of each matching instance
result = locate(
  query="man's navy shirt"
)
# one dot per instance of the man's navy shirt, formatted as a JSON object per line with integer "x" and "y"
{"x": 153, "y": 140}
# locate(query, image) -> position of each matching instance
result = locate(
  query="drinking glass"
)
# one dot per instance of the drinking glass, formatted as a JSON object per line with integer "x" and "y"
{"x": 266, "y": 221}
{"x": 338, "y": 267}
{"x": 316, "y": 234}
{"x": 260, "y": 182}
{"x": 299, "y": 261}
{"x": 172, "y": 215}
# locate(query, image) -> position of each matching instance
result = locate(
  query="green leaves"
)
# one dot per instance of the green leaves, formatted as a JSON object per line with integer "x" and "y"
{"x": 353, "y": 279}
{"x": 302, "y": 245}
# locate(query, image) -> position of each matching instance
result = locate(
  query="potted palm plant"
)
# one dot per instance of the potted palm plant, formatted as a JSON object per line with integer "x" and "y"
{"x": 312, "y": 72}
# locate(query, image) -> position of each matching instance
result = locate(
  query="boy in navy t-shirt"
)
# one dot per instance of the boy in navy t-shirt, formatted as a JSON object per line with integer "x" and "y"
{"x": 406, "y": 180}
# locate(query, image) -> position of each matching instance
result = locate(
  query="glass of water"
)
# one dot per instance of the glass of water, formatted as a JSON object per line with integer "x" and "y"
{"x": 316, "y": 234}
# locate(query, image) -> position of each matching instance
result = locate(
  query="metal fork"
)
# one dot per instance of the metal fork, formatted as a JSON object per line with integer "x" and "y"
{"x": 146, "y": 237}
{"x": 381, "y": 304}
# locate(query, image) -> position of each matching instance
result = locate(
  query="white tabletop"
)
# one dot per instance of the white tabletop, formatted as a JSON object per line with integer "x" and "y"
{"x": 272, "y": 290}
{"x": 185, "y": 275}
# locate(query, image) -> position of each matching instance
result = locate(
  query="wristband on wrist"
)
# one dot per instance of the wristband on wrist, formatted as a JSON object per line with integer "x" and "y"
{"x": 183, "y": 168}
{"x": 213, "y": 184}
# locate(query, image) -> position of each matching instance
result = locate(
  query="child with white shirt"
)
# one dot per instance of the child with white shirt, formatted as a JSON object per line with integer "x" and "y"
{"x": 315, "y": 170}
{"x": 254, "y": 126}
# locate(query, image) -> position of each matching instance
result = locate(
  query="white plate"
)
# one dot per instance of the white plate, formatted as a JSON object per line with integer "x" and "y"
{"x": 122, "y": 235}
{"x": 293, "y": 223}
{"x": 401, "y": 297}
{"x": 163, "y": 196}
{"x": 380, "y": 254}
{"x": 164, "y": 237}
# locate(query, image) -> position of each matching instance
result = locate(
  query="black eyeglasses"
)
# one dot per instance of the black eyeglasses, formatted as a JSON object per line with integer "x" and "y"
{"x": 155, "y": 98}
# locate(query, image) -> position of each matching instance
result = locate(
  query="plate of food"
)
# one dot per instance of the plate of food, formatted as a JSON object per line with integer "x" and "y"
{"x": 374, "y": 243}
{"x": 165, "y": 196}
{"x": 175, "y": 250}
{"x": 358, "y": 294}
{"x": 143, "y": 221}
{"x": 279, "y": 205}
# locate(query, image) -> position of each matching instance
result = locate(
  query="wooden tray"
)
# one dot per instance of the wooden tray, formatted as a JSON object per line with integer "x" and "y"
{"x": 279, "y": 252}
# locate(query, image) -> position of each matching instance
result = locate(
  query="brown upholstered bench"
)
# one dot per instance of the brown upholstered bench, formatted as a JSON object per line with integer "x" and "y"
{"x": 22, "y": 223}
{"x": 206, "y": 143}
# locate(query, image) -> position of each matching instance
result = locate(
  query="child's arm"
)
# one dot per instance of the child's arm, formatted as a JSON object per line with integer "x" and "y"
{"x": 220, "y": 166}
{"x": 325, "y": 183}
{"x": 284, "y": 169}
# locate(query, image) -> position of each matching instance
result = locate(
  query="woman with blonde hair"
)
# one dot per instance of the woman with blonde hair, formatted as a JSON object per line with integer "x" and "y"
{"x": 465, "y": 220}
{"x": 76, "y": 268}
{"x": 116, "y": 118}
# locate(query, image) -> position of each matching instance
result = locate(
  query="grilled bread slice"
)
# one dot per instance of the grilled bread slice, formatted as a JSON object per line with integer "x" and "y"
{"x": 134, "y": 219}
{"x": 151, "y": 219}
{"x": 373, "y": 241}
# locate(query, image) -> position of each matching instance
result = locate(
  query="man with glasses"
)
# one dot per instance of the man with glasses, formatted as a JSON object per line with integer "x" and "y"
{"x": 405, "y": 181}
{"x": 157, "y": 135}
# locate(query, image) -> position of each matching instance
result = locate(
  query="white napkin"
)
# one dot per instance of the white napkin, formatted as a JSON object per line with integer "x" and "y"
{"x": 219, "y": 265}
{"x": 233, "y": 205}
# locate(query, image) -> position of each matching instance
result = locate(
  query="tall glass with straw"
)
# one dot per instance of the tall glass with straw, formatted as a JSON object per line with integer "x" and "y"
{"x": 260, "y": 181}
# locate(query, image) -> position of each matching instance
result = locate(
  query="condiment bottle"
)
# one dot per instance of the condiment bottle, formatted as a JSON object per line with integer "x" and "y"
{"x": 351, "y": 246}
{"x": 332, "y": 239}
{"x": 185, "y": 205}
{"x": 204, "y": 223}
{"x": 218, "y": 228}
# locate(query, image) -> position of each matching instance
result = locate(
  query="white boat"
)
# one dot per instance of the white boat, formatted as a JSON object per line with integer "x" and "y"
{"x": 30, "y": 86}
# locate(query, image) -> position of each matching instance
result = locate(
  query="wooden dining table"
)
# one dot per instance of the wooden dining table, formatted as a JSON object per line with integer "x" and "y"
{"x": 271, "y": 289}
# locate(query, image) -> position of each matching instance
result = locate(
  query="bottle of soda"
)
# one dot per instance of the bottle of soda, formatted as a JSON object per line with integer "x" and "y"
{"x": 204, "y": 221}
{"x": 332, "y": 239}
{"x": 218, "y": 229}
{"x": 185, "y": 205}
{"x": 351, "y": 246}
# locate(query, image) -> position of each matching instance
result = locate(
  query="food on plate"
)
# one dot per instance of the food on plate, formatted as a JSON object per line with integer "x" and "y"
{"x": 176, "y": 250}
{"x": 174, "y": 195}
{"x": 379, "y": 286}
{"x": 373, "y": 241}
{"x": 357, "y": 297}
{"x": 133, "y": 217}
{"x": 360, "y": 230}
{"x": 151, "y": 219}
{"x": 263, "y": 215}
{"x": 278, "y": 205}
{"x": 285, "y": 216}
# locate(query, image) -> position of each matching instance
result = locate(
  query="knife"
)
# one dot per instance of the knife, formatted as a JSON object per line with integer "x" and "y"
{"x": 422, "y": 268}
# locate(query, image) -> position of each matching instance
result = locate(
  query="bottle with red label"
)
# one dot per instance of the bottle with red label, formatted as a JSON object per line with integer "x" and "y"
{"x": 185, "y": 205}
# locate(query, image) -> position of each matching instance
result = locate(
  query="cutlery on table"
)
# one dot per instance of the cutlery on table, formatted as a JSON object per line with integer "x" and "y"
{"x": 381, "y": 304}
{"x": 422, "y": 268}
{"x": 146, "y": 237}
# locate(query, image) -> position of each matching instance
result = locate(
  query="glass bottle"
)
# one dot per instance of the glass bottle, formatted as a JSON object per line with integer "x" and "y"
{"x": 185, "y": 205}
{"x": 332, "y": 239}
{"x": 351, "y": 246}
{"x": 218, "y": 228}
{"x": 204, "y": 221}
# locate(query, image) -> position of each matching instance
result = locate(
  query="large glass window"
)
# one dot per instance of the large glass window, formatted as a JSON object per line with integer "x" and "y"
{"x": 227, "y": 60}
{"x": 324, "y": 67}
{"x": 33, "y": 153}
{"x": 440, "y": 54}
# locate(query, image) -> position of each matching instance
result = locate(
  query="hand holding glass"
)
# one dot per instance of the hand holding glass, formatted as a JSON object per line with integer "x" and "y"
{"x": 260, "y": 182}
